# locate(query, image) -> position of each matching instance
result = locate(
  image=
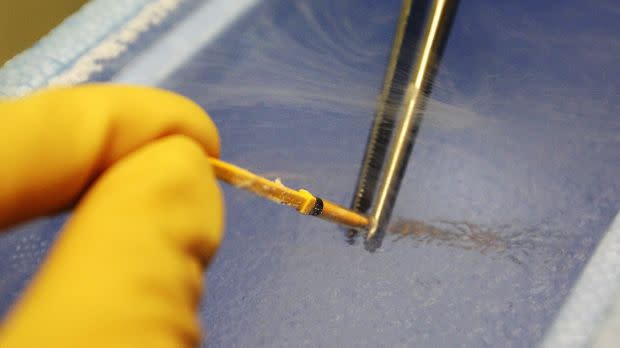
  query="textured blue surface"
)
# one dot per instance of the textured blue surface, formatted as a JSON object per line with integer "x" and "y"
{"x": 512, "y": 182}
{"x": 53, "y": 54}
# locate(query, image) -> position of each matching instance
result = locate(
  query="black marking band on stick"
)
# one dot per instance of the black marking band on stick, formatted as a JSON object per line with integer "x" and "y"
{"x": 318, "y": 207}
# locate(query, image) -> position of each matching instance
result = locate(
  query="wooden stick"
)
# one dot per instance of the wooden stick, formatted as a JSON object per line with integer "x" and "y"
{"x": 303, "y": 201}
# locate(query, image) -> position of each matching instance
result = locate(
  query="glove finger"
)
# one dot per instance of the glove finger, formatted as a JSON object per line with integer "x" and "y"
{"x": 58, "y": 141}
{"x": 127, "y": 268}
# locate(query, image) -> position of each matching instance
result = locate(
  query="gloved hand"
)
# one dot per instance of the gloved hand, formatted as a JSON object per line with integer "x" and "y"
{"x": 127, "y": 268}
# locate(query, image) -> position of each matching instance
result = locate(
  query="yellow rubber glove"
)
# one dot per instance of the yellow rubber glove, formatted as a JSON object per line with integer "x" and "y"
{"x": 128, "y": 266}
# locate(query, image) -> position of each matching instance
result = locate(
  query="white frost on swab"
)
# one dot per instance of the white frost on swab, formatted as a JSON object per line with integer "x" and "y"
{"x": 278, "y": 182}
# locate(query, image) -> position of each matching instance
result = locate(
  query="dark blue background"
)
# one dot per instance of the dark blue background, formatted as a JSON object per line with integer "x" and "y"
{"x": 512, "y": 181}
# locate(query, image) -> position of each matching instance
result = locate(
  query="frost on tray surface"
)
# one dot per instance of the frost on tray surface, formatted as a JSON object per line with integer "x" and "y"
{"x": 511, "y": 183}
